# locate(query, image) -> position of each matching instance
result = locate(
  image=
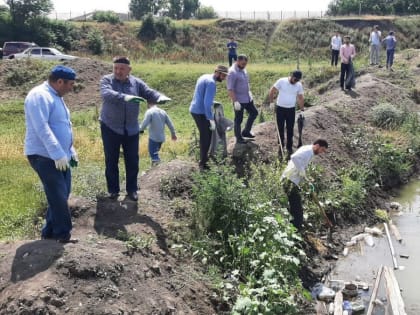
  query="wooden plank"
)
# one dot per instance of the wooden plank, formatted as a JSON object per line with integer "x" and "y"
{"x": 391, "y": 247}
{"x": 321, "y": 308}
{"x": 395, "y": 231}
{"x": 375, "y": 290}
{"x": 338, "y": 303}
{"x": 393, "y": 292}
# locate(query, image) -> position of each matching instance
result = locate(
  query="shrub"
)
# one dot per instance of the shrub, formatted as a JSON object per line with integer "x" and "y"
{"x": 147, "y": 30}
{"x": 244, "y": 229}
{"x": 96, "y": 42}
{"x": 106, "y": 16}
{"x": 387, "y": 116}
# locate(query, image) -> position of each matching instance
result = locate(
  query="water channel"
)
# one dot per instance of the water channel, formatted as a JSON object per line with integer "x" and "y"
{"x": 363, "y": 262}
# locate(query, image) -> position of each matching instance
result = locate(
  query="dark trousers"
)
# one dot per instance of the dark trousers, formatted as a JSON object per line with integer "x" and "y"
{"x": 239, "y": 117}
{"x": 112, "y": 143}
{"x": 334, "y": 57}
{"x": 231, "y": 58}
{"x": 203, "y": 126}
{"x": 344, "y": 73}
{"x": 295, "y": 203}
{"x": 286, "y": 116}
{"x": 57, "y": 187}
{"x": 390, "y": 57}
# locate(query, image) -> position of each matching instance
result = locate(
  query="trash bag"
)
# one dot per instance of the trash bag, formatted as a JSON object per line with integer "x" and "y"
{"x": 218, "y": 145}
{"x": 351, "y": 77}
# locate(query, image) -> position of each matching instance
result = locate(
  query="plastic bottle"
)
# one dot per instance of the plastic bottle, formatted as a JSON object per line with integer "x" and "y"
{"x": 347, "y": 310}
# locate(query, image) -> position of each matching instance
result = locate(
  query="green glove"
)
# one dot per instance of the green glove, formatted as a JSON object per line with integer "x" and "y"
{"x": 134, "y": 99}
{"x": 73, "y": 162}
{"x": 312, "y": 187}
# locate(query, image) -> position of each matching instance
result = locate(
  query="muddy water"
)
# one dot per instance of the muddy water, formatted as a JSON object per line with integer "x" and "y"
{"x": 363, "y": 261}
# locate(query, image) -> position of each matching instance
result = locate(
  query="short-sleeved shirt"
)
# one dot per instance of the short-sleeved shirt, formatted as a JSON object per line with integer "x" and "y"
{"x": 232, "y": 47}
{"x": 336, "y": 42}
{"x": 288, "y": 92}
{"x": 238, "y": 82}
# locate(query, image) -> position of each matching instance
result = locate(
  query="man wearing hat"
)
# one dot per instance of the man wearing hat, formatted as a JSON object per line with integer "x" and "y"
{"x": 288, "y": 90}
{"x": 49, "y": 148}
{"x": 121, "y": 94}
{"x": 241, "y": 96}
{"x": 201, "y": 109}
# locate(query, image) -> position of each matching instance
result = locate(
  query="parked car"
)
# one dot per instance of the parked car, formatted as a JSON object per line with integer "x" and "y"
{"x": 44, "y": 53}
{"x": 11, "y": 48}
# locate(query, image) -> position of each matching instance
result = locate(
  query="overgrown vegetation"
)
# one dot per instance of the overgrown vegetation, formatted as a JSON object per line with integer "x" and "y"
{"x": 244, "y": 230}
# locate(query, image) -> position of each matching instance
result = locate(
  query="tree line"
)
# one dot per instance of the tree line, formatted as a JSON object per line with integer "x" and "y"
{"x": 375, "y": 7}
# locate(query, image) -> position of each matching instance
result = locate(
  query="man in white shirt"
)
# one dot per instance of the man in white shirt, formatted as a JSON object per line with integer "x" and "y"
{"x": 295, "y": 172}
{"x": 289, "y": 90}
{"x": 375, "y": 45}
{"x": 335, "y": 48}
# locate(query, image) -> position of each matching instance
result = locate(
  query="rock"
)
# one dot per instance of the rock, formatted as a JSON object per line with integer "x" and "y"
{"x": 369, "y": 240}
{"x": 156, "y": 268}
{"x": 57, "y": 302}
{"x": 373, "y": 231}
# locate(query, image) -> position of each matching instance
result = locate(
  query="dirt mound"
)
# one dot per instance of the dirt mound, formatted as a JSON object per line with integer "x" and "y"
{"x": 122, "y": 263}
{"x": 18, "y": 77}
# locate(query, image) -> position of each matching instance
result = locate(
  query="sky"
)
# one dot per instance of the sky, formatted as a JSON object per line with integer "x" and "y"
{"x": 62, "y": 6}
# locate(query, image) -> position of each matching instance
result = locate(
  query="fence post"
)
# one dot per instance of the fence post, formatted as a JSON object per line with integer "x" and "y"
{"x": 321, "y": 14}
{"x": 281, "y": 15}
{"x": 240, "y": 15}
{"x": 70, "y": 15}
{"x": 295, "y": 14}
{"x": 308, "y": 14}
{"x": 254, "y": 15}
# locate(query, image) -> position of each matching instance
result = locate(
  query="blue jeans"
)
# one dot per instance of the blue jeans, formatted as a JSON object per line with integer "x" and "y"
{"x": 112, "y": 143}
{"x": 154, "y": 148}
{"x": 57, "y": 187}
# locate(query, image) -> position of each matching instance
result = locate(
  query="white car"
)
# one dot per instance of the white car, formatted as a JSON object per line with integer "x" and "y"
{"x": 44, "y": 53}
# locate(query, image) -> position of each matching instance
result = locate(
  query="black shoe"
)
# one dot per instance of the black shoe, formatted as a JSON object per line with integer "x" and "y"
{"x": 113, "y": 196}
{"x": 67, "y": 240}
{"x": 248, "y": 135}
{"x": 133, "y": 195}
{"x": 241, "y": 141}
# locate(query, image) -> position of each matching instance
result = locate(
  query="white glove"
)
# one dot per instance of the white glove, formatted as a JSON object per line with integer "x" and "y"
{"x": 133, "y": 99}
{"x": 237, "y": 106}
{"x": 62, "y": 164}
{"x": 251, "y": 97}
{"x": 272, "y": 106}
{"x": 212, "y": 125}
{"x": 163, "y": 99}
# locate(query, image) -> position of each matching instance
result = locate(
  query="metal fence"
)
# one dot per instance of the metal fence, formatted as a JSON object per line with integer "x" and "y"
{"x": 241, "y": 15}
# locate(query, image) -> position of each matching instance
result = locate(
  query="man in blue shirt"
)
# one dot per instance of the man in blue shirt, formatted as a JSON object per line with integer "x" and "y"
{"x": 121, "y": 94}
{"x": 241, "y": 96}
{"x": 201, "y": 109}
{"x": 49, "y": 148}
{"x": 232, "y": 46}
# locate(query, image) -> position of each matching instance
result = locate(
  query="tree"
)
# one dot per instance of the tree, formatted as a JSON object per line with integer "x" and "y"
{"x": 205, "y": 12}
{"x": 183, "y": 9}
{"x": 22, "y": 11}
{"x": 378, "y": 7}
{"x": 140, "y": 8}
{"x": 190, "y": 8}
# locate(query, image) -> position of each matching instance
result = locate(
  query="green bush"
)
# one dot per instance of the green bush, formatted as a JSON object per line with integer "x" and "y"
{"x": 147, "y": 31}
{"x": 387, "y": 116}
{"x": 96, "y": 42}
{"x": 244, "y": 229}
{"x": 106, "y": 16}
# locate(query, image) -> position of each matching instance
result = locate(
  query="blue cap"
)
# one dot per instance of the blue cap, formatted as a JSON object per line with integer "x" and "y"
{"x": 63, "y": 72}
